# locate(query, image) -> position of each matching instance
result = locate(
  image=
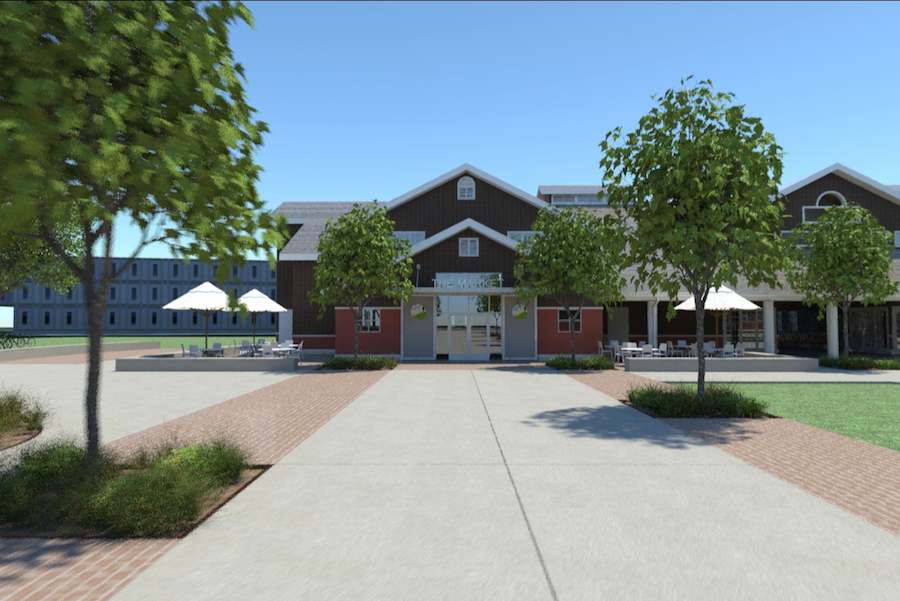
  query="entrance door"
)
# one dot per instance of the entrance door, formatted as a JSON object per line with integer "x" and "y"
{"x": 470, "y": 330}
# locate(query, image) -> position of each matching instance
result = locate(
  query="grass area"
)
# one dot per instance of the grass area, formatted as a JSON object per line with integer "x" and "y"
{"x": 593, "y": 362}
{"x": 365, "y": 363}
{"x": 18, "y": 412}
{"x": 158, "y": 493}
{"x": 858, "y": 362}
{"x": 165, "y": 341}
{"x": 867, "y": 412}
{"x": 681, "y": 401}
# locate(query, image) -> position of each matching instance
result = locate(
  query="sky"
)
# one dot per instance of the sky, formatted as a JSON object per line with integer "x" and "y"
{"x": 370, "y": 100}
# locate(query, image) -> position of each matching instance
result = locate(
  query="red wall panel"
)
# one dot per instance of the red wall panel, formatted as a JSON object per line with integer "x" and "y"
{"x": 315, "y": 342}
{"x": 552, "y": 342}
{"x": 385, "y": 342}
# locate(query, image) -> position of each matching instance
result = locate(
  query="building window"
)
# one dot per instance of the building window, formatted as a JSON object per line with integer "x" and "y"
{"x": 273, "y": 273}
{"x": 521, "y": 236}
{"x": 175, "y": 270}
{"x": 234, "y": 319}
{"x": 468, "y": 247}
{"x": 563, "y": 325}
{"x": 134, "y": 293}
{"x": 196, "y": 271}
{"x": 577, "y": 199}
{"x": 370, "y": 321}
{"x": 195, "y": 318}
{"x": 25, "y": 293}
{"x": 112, "y": 293}
{"x": 69, "y": 295}
{"x": 272, "y": 293}
{"x": 134, "y": 269}
{"x": 234, "y": 270}
{"x": 155, "y": 269}
{"x": 253, "y": 271}
{"x": 112, "y": 269}
{"x": 174, "y": 293}
{"x": 68, "y": 318}
{"x": 153, "y": 318}
{"x": 825, "y": 201}
{"x": 413, "y": 237}
{"x": 46, "y": 294}
{"x": 133, "y": 318}
{"x": 215, "y": 319}
{"x": 272, "y": 318}
{"x": 46, "y": 318}
{"x": 112, "y": 318}
{"x": 465, "y": 188}
{"x": 175, "y": 318}
{"x": 154, "y": 293}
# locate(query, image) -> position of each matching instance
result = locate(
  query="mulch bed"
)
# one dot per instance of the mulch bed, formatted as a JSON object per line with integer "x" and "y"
{"x": 11, "y": 439}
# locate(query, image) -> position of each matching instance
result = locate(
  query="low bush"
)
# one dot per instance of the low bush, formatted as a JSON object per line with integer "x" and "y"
{"x": 857, "y": 363}
{"x": 159, "y": 492}
{"x": 591, "y": 362}
{"x": 721, "y": 401}
{"x": 18, "y": 412}
{"x": 366, "y": 363}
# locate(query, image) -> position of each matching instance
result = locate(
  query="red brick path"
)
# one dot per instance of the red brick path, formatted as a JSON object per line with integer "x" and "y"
{"x": 269, "y": 422}
{"x": 859, "y": 477}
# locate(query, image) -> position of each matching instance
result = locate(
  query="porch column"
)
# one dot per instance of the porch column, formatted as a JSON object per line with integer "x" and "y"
{"x": 831, "y": 317}
{"x": 769, "y": 326}
{"x": 653, "y": 323}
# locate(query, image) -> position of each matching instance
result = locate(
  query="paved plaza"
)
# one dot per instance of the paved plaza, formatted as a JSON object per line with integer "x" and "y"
{"x": 511, "y": 482}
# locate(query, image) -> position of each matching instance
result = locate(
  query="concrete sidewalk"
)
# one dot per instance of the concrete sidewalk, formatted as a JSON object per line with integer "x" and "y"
{"x": 518, "y": 484}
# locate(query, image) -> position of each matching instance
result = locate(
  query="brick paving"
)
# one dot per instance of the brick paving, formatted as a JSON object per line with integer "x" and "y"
{"x": 858, "y": 477}
{"x": 269, "y": 422}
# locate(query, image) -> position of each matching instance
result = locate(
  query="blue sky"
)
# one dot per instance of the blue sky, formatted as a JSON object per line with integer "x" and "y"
{"x": 370, "y": 100}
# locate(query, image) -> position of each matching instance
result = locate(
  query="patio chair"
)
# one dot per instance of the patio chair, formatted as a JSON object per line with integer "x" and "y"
{"x": 618, "y": 355}
{"x": 739, "y": 349}
{"x": 661, "y": 351}
{"x": 613, "y": 343}
{"x": 709, "y": 348}
{"x": 193, "y": 350}
{"x": 642, "y": 343}
{"x": 692, "y": 350}
{"x": 681, "y": 348}
{"x": 183, "y": 352}
{"x": 262, "y": 341}
{"x": 603, "y": 352}
{"x": 646, "y": 350}
{"x": 297, "y": 353}
{"x": 218, "y": 351}
{"x": 728, "y": 350}
{"x": 267, "y": 351}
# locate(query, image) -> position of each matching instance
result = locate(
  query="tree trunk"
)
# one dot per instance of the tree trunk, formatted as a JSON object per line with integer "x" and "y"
{"x": 96, "y": 303}
{"x": 845, "y": 328}
{"x": 700, "y": 314}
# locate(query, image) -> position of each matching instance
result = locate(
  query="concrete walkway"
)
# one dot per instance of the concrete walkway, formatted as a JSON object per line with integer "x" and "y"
{"x": 518, "y": 484}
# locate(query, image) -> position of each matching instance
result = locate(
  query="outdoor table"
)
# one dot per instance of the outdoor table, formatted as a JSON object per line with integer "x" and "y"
{"x": 213, "y": 352}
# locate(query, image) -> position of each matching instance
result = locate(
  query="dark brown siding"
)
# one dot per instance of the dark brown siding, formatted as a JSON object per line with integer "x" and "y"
{"x": 295, "y": 279}
{"x": 438, "y": 209}
{"x": 444, "y": 258}
{"x": 885, "y": 211}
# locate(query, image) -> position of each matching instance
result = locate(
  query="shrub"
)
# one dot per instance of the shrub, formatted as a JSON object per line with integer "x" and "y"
{"x": 858, "y": 363}
{"x": 721, "y": 401}
{"x": 18, "y": 411}
{"x": 218, "y": 461}
{"x": 366, "y": 363}
{"x": 591, "y": 362}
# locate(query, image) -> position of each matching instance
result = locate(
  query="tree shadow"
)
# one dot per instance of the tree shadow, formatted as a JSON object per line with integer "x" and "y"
{"x": 28, "y": 554}
{"x": 624, "y": 423}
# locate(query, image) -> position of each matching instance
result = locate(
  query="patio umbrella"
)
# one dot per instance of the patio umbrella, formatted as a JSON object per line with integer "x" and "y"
{"x": 720, "y": 300}
{"x": 205, "y": 298}
{"x": 257, "y": 302}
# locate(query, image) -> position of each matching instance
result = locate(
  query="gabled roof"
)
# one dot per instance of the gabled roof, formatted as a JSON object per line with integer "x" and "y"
{"x": 462, "y": 169}
{"x": 304, "y": 245}
{"x": 891, "y": 193}
{"x": 465, "y": 224}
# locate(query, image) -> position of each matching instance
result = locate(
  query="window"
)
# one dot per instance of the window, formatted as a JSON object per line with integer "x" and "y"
{"x": 370, "y": 320}
{"x": 521, "y": 236}
{"x": 133, "y": 318}
{"x": 412, "y": 237}
{"x": 154, "y": 293}
{"x": 273, "y": 273}
{"x": 25, "y": 293}
{"x": 134, "y": 293}
{"x": 112, "y": 318}
{"x": 174, "y": 318}
{"x": 112, "y": 293}
{"x": 825, "y": 200}
{"x": 564, "y": 321}
{"x": 69, "y": 295}
{"x": 196, "y": 271}
{"x": 468, "y": 247}
{"x": 175, "y": 270}
{"x": 155, "y": 269}
{"x": 465, "y": 188}
{"x": 215, "y": 318}
{"x": 234, "y": 270}
{"x": 272, "y": 318}
{"x": 195, "y": 318}
{"x": 46, "y": 318}
{"x": 24, "y": 318}
{"x": 174, "y": 293}
{"x": 896, "y": 239}
{"x": 272, "y": 293}
{"x": 68, "y": 318}
{"x": 234, "y": 319}
{"x": 46, "y": 294}
{"x": 253, "y": 271}
{"x": 112, "y": 269}
{"x": 577, "y": 199}
{"x": 134, "y": 269}
{"x": 153, "y": 318}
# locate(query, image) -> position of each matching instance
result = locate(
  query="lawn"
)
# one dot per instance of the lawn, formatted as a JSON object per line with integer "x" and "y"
{"x": 867, "y": 412}
{"x": 165, "y": 341}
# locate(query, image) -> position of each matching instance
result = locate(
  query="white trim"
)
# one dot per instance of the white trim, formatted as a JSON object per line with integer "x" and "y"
{"x": 298, "y": 256}
{"x": 463, "y": 169}
{"x": 295, "y": 220}
{"x": 467, "y": 244}
{"x": 850, "y": 175}
{"x": 464, "y": 184}
{"x": 836, "y": 193}
{"x": 465, "y": 224}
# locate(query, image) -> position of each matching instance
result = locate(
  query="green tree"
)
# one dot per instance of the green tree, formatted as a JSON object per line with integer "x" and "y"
{"x": 360, "y": 260}
{"x": 842, "y": 257}
{"x": 132, "y": 111}
{"x": 698, "y": 183}
{"x": 575, "y": 258}
{"x": 25, "y": 260}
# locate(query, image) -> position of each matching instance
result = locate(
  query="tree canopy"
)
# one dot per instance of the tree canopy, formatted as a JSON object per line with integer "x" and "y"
{"x": 24, "y": 260}
{"x": 575, "y": 258}
{"x": 698, "y": 183}
{"x": 135, "y": 111}
{"x": 360, "y": 260}
{"x": 842, "y": 257}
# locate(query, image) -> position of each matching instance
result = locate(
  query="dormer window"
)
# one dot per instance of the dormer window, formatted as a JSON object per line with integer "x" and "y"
{"x": 465, "y": 188}
{"x": 825, "y": 200}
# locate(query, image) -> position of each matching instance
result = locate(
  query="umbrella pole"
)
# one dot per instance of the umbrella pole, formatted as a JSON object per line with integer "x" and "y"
{"x": 206, "y": 321}
{"x": 253, "y": 318}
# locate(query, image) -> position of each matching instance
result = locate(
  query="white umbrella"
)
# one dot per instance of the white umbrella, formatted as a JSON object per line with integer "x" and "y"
{"x": 205, "y": 299}
{"x": 257, "y": 302}
{"x": 720, "y": 300}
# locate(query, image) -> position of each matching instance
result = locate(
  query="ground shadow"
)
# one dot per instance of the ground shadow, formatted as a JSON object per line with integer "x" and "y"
{"x": 28, "y": 554}
{"x": 624, "y": 423}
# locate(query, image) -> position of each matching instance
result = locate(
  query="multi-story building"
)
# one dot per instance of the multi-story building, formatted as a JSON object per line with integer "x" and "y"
{"x": 464, "y": 227}
{"x": 136, "y": 298}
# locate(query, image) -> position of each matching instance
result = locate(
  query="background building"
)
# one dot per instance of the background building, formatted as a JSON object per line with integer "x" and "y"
{"x": 136, "y": 298}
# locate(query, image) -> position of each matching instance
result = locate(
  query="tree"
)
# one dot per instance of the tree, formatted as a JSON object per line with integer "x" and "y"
{"x": 127, "y": 110}
{"x": 360, "y": 260}
{"x": 575, "y": 258}
{"x": 842, "y": 257}
{"x": 25, "y": 260}
{"x": 698, "y": 181}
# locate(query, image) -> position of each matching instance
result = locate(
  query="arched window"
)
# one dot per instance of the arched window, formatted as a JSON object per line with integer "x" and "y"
{"x": 823, "y": 202}
{"x": 465, "y": 188}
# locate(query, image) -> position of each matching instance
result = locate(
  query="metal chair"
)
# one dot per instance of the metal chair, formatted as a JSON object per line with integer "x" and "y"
{"x": 193, "y": 350}
{"x": 661, "y": 351}
{"x": 603, "y": 352}
{"x": 646, "y": 350}
{"x": 739, "y": 350}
